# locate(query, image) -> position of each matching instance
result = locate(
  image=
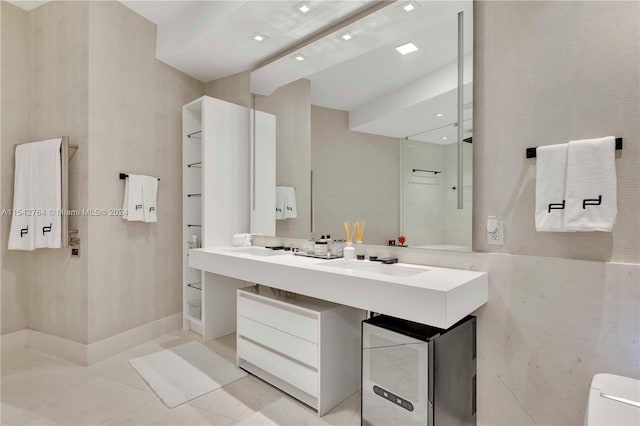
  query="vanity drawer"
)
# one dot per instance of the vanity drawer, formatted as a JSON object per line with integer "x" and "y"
{"x": 286, "y": 317}
{"x": 291, "y": 346}
{"x": 290, "y": 371}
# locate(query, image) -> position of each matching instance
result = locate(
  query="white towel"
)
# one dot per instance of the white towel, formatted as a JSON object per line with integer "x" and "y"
{"x": 550, "y": 187}
{"x": 133, "y": 205}
{"x": 149, "y": 197}
{"x": 286, "y": 202}
{"x": 241, "y": 240}
{"x": 21, "y": 236}
{"x": 591, "y": 185}
{"x": 48, "y": 195}
{"x": 37, "y": 199}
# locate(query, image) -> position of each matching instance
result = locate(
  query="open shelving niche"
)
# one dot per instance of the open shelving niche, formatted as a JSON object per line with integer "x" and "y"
{"x": 191, "y": 210}
{"x": 215, "y": 153}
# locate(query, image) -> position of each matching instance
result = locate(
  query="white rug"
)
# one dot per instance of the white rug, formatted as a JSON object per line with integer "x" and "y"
{"x": 185, "y": 372}
{"x": 284, "y": 412}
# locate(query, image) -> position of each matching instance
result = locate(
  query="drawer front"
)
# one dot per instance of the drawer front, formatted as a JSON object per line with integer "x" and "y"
{"x": 294, "y": 373}
{"x": 291, "y": 346}
{"x": 283, "y": 317}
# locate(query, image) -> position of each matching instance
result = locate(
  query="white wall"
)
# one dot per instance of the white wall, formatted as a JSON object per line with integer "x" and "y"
{"x": 547, "y": 73}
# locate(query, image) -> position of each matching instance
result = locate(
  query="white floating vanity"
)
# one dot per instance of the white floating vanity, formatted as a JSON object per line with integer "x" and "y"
{"x": 308, "y": 342}
{"x": 438, "y": 297}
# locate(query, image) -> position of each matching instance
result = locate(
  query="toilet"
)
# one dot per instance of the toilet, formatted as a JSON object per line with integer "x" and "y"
{"x": 613, "y": 401}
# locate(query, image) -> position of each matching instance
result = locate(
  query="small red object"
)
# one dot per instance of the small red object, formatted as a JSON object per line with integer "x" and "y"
{"x": 401, "y": 240}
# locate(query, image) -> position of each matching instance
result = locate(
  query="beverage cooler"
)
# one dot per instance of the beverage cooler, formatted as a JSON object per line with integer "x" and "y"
{"x": 413, "y": 374}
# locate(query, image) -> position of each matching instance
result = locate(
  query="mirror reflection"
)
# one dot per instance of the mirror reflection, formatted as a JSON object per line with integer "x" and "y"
{"x": 357, "y": 129}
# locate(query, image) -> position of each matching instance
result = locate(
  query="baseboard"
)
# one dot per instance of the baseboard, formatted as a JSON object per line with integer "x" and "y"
{"x": 84, "y": 354}
{"x": 113, "y": 345}
{"x": 13, "y": 340}
{"x": 57, "y": 346}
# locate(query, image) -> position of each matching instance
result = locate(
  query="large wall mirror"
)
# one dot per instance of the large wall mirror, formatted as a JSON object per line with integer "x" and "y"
{"x": 372, "y": 122}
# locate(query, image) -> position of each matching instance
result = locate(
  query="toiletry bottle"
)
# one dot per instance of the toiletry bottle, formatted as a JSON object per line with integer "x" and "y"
{"x": 311, "y": 246}
{"x": 194, "y": 242}
{"x": 321, "y": 247}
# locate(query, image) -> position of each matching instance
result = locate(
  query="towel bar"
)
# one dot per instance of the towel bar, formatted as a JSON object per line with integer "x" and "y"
{"x": 435, "y": 172}
{"x": 531, "y": 152}
{"x": 125, "y": 175}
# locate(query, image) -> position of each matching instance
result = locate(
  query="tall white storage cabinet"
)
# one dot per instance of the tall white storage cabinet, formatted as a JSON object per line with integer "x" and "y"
{"x": 215, "y": 157}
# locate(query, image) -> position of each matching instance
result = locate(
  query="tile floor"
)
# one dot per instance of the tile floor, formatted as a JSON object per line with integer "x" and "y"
{"x": 38, "y": 389}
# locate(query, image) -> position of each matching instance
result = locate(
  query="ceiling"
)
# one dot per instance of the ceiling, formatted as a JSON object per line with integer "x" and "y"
{"x": 387, "y": 93}
{"x": 211, "y": 39}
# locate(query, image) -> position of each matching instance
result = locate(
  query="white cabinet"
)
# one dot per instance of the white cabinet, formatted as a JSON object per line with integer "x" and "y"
{"x": 307, "y": 347}
{"x": 215, "y": 189}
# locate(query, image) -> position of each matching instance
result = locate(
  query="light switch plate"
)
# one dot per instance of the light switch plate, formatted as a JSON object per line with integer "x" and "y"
{"x": 495, "y": 238}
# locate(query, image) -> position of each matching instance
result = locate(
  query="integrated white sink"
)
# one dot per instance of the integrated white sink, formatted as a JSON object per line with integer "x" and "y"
{"x": 257, "y": 251}
{"x": 430, "y": 295}
{"x": 375, "y": 267}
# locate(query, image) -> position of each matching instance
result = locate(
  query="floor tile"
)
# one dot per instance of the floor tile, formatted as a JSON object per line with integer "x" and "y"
{"x": 236, "y": 399}
{"x": 99, "y": 401}
{"x": 24, "y": 359}
{"x": 156, "y": 413}
{"x": 345, "y": 413}
{"x": 15, "y": 416}
{"x": 28, "y": 386}
{"x": 38, "y": 389}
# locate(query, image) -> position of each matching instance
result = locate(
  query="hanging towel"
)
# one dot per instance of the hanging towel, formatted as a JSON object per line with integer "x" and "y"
{"x": 48, "y": 195}
{"x": 550, "y": 187}
{"x": 149, "y": 197}
{"x": 21, "y": 236}
{"x": 591, "y": 185}
{"x": 133, "y": 205}
{"x": 286, "y": 202}
{"x": 37, "y": 201}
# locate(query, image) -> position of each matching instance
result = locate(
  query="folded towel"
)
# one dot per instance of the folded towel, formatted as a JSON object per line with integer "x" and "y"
{"x": 550, "y": 187}
{"x": 37, "y": 198}
{"x": 591, "y": 185}
{"x": 241, "y": 240}
{"x": 48, "y": 195}
{"x": 133, "y": 205}
{"x": 149, "y": 197}
{"x": 286, "y": 202}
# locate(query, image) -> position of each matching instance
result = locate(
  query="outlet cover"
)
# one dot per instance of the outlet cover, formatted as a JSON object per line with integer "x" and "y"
{"x": 496, "y": 238}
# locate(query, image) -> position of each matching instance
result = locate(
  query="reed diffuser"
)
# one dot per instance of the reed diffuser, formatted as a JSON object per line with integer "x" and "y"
{"x": 360, "y": 226}
{"x": 349, "y": 252}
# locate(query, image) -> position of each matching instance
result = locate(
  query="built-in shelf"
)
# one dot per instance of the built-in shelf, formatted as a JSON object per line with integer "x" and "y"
{"x": 197, "y": 165}
{"x": 195, "y": 135}
{"x": 193, "y": 319}
{"x": 197, "y": 286}
{"x": 194, "y": 195}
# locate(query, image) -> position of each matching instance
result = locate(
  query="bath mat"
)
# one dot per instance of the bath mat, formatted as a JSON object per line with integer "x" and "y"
{"x": 185, "y": 372}
{"x": 283, "y": 412}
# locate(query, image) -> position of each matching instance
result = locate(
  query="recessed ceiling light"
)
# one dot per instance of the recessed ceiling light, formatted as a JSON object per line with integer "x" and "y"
{"x": 258, "y": 37}
{"x": 407, "y": 48}
{"x": 299, "y": 57}
{"x": 439, "y": 114}
{"x": 346, "y": 36}
{"x": 408, "y": 7}
{"x": 303, "y": 7}
{"x": 444, "y": 138}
